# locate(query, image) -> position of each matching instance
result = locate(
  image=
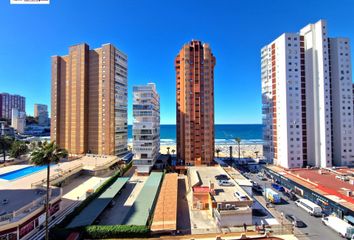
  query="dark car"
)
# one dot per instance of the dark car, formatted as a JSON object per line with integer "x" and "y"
{"x": 259, "y": 212}
{"x": 222, "y": 177}
{"x": 257, "y": 188}
{"x": 278, "y": 187}
{"x": 290, "y": 195}
{"x": 295, "y": 221}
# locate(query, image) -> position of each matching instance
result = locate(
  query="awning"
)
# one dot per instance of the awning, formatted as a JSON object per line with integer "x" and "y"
{"x": 350, "y": 219}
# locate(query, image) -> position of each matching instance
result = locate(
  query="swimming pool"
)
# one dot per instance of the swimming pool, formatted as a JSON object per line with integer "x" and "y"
{"x": 20, "y": 173}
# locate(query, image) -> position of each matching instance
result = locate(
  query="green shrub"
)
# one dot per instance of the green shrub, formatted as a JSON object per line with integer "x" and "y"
{"x": 115, "y": 231}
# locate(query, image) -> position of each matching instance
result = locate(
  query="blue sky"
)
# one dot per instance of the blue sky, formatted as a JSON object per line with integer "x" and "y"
{"x": 151, "y": 34}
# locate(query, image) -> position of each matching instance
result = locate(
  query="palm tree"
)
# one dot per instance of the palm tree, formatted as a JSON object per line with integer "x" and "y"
{"x": 238, "y": 140}
{"x": 168, "y": 150}
{"x": 5, "y": 143}
{"x": 173, "y": 151}
{"x": 47, "y": 154}
{"x": 18, "y": 148}
{"x": 217, "y": 152}
{"x": 256, "y": 152}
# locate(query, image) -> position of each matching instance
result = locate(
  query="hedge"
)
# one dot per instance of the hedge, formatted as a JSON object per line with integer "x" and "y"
{"x": 115, "y": 231}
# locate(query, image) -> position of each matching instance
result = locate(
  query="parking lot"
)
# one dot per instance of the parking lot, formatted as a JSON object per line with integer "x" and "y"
{"x": 314, "y": 230}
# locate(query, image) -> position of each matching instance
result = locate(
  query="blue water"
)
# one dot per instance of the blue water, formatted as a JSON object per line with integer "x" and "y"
{"x": 21, "y": 172}
{"x": 224, "y": 133}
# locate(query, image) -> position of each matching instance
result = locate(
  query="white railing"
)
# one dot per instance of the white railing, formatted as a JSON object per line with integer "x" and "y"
{"x": 25, "y": 210}
{"x": 60, "y": 174}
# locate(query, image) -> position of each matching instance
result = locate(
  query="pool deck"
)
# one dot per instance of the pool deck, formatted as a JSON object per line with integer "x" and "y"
{"x": 19, "y": 192}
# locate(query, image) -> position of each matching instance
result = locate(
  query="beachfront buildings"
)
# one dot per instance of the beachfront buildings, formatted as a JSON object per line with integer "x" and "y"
{"x": 146, "y": 127}
{"x": 89, "y": 100}
{"x": 18, "y": 120}
{"x": 307, "y": 99}
{"x": 41, "y": 112}
{"x": 194, "y": 66}
{"x": 8, "y": 102}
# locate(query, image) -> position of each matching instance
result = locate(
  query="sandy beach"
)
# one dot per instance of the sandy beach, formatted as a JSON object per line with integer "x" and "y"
{"x": 246, "y": 150}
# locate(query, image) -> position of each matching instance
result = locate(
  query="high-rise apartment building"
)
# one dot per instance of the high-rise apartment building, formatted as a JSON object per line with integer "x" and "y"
{"x": 195, "y": 103}
{"x": 146, "y": 127}
{"x": 18, "y": 120}
{"x": 307, "y": 99}
{"x": 89, "y": 100}
{"x": 8, "y": 102}
{"x": 41, "y": 112}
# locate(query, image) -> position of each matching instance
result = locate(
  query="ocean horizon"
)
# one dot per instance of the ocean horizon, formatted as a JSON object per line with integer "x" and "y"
{"x": 224, "y": 133}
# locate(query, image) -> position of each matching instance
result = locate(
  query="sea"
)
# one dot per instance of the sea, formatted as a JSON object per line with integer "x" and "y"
{"x": 224, "y": 133}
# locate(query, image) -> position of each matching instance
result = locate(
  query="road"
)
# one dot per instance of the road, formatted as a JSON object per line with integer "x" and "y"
{"x": 315, "y": 229}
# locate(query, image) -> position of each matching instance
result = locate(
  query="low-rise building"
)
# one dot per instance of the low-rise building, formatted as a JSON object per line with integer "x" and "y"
{"x": 227, "y": 202}
{"x": 330, "y": 188}
{"x": 24, "y": 215}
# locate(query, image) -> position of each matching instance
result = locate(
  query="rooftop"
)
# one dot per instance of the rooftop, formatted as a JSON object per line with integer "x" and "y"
{"x": 89, "y": 214}
{"x": 140, "y": 211}
{"x": 165, "y": 214}
{"x": 323, "y": 182}
{"x": 238, "y": 177}
{"x": 207, "y": 174}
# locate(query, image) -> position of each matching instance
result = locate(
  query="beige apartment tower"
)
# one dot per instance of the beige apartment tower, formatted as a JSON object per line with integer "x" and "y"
{"x": 89, "y": 100}
{"x": 195, "y": 104}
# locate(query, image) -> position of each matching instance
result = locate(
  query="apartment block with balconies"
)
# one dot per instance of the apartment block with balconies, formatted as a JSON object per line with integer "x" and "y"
{"x": 146, "y": 127}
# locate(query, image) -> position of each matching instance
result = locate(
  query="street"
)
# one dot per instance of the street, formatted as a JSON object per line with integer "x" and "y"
{"x": 315, "y": 229}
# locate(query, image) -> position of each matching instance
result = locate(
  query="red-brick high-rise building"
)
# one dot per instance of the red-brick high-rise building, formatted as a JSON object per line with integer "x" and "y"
{"x": 195, "y": 104}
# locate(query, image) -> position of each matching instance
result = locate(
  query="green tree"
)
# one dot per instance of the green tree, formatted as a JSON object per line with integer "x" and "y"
{"x": 168, "y": 150}
{"x": 5, "y": 144}
{"x": 47, "y": 154}
{"x": 238, "y": 141}
{"x": 173, "y": 151}
{"x": 18, "y": 148}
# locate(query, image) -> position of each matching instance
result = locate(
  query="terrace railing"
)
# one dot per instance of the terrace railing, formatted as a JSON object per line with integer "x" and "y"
{"x": 62, "y": 174}
{"x": 26, "y": 210}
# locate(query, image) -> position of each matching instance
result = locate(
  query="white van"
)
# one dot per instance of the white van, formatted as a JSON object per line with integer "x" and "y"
{"x": 343, "y": 228}
{"x": 310, "y": 207}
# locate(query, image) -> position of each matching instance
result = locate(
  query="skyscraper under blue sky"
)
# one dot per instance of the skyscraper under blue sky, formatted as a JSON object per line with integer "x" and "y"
{"x": 151, "y": 33}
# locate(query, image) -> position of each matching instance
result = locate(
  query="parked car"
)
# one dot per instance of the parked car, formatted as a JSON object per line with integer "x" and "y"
{"x": 221, "y": 177}
{"x": 226, "y": 183}
{"x": 257, "y": 188}
{"x": 261, "y": 177}
{"x": 290, "y": 195}
{"x": 259, "y": 212}
{"x": 278, "y": 187}
{"x": 241, "y": 196}
{"x": 295, "y": 221}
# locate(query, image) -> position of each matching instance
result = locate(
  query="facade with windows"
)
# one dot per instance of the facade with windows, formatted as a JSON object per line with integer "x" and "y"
{"x": 194, "y": 67}
{"x": 18, "y": 120}
{"x": 41, "y": 112}
{"x": 89, "y": 100}
{"x": 146, "y": 127}
{"x": 8, "y": 102}
{"x": 307, "y": 99}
